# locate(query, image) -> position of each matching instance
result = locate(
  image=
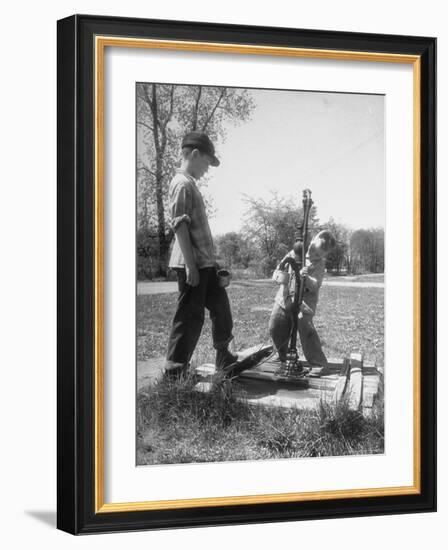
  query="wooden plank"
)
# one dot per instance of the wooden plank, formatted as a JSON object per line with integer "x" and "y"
{"x": 334, "y": 365}
{"x": 262, "y": 388}
{"x": 355, "y": 385}
{"x": 273, "y": 377}
{"x": 286, "y": 401}
{"x": 327, "y": 383}
{"x": 244, "y": 353}
{"x": 267, "y": 366}
{"x": 368, "y": 396}
{"x": 370, "y": 390}
{"x": 149, "y": 372}
{"x": 255, "y": 392}
{"x": 369, "y": 368}
{"x": 342, "y": 381}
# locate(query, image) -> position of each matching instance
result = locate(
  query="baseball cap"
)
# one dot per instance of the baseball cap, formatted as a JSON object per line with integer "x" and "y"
{"x": 201, "y": 141}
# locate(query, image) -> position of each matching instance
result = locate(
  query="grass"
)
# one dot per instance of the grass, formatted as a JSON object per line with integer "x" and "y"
{"x": 348, "y": 319}
{"x": 363, "y": 278}
{"x": 176, "y": 424}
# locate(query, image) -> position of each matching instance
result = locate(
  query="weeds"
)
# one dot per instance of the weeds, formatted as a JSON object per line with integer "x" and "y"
{"x": 178, "y": 424}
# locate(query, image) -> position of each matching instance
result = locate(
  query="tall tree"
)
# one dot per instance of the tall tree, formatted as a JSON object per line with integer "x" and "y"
{"x": 377, "y": 259}
{"x": 234, "y": 249}
{"x": 274, "y": 225}
{"x": 165, "y": 113}
{"x": 367, "y": 250}
{"x": 340, "y": 256}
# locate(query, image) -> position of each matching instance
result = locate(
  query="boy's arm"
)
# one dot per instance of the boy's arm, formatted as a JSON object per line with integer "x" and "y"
{"x": 183, "y": 237}
{"x": 314, "y": 281}
{"x": 181, "y": 211}
{"x": 278, "y": 272}
{"x": 290, "y": 254}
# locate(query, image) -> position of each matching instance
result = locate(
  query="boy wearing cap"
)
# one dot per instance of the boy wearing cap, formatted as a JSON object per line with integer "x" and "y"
{"x": 280, "y": 322}
{"x": 193, "y": 258}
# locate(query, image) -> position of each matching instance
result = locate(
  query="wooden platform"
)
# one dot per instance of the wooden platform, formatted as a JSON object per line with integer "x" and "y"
{"x": 351, "y": 379}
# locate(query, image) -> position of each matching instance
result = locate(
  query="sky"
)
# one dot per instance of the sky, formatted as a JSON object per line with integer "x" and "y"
{"x": 330, "y": 143}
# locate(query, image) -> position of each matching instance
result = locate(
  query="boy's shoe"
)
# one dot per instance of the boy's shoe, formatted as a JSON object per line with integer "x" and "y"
{"x": 174, "y": 371}
{"x": 236, "y": 365}
{"x": 315, "y": 371}
{"x": 279, "y": 364}
{"x": 224, "y": 359}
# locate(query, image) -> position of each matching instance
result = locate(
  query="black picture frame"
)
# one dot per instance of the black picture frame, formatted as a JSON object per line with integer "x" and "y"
{"x": 75, "y": 271}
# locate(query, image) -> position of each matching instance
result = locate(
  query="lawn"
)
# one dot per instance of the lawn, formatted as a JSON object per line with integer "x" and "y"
{"x": 176, "y": 424}
{"x": 348, "y": 319}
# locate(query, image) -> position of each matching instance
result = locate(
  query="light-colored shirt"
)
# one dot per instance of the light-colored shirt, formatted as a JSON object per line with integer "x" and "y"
{"x": 313, "y": 281}
{"x": 187, "y": 205}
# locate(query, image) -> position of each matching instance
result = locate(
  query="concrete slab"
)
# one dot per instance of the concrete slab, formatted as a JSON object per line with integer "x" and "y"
{"x": 149, "y": 372}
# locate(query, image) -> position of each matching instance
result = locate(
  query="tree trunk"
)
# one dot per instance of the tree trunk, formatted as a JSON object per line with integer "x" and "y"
{"x": 159, "y": 144}
{"x": 163, "y": 245}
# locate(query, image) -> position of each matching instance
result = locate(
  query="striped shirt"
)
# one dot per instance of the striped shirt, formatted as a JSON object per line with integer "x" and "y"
{"x": 187, "y": 205}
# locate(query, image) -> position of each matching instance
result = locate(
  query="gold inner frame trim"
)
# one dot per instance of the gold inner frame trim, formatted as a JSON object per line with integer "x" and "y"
{"x": 101, "y": 42}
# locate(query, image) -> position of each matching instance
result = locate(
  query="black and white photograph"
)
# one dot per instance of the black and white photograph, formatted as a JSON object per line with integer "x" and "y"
{"x": 246, "y": 274}
{"x": 260, "y": 273}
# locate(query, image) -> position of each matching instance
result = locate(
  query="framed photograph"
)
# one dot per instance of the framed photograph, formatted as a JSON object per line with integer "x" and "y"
{"x": 246, "y": 274}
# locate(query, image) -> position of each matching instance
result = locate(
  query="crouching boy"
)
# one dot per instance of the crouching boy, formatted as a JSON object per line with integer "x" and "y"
{"x": 193, "y": 258}
{"x": 281, "y": 320}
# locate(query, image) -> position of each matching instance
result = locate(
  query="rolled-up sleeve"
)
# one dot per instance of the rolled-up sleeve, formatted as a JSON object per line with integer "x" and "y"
{"x": 181, "y": 206}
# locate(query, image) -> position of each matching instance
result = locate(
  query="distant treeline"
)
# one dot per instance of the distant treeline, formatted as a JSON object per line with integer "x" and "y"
{"x": 269, "y": 231}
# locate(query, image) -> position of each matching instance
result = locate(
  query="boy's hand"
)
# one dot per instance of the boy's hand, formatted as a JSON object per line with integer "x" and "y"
{"x": 304, "y": 271}
{"x": 192, "y": 275}
{"x": 305, "y": 310}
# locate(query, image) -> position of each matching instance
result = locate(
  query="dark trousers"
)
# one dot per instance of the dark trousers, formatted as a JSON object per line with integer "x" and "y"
{"x": 280, "y": 326}
{"x": 189, "y": 316}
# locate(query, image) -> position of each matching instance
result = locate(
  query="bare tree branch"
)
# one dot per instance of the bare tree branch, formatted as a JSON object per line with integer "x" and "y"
{"x": 145, "y": 96}
{"x": 150, "y": 128}
{"x": 196, "y": 109}
{"x": 146, "y": 169}
{"x": 167, "y": 120}
{"x": 155, "y": 116}
{"x": 170, "y": 113}
{"x": 209, "y": 118}
{"x": 141, "y": 97}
